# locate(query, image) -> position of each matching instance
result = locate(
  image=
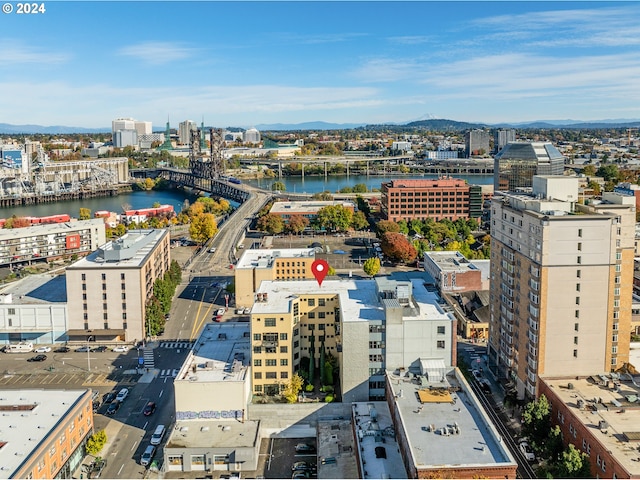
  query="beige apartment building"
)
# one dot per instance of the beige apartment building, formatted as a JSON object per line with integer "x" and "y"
{"x": 256, "y": 266}
{"x": 561, "y": 283}
{"x": 107, "y": 291}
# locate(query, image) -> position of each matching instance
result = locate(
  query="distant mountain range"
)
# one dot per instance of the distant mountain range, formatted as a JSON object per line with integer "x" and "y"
{"x": 434, "y": 124}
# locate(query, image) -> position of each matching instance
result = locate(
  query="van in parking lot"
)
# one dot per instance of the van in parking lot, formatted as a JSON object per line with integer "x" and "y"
{"x": 156, "y": 438}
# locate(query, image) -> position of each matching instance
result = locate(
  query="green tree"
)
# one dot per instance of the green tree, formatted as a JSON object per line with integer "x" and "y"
{"x": 203, "y": 227}
{"x": 154, "y": 317}
{"x": 278, "y": 186}
{"x": 271, "y": 223}
{"x": 384, "y": 226}
{"x": 553, "y": 445}
{"x": 589, "y": 170}
{"x": 610, "y": 173}
{"x": 334, "y": 218}
{"x": 85, "y": 214}
{"x": 328, "y": 373}
{"x": 536, "y": 421}
{"x": 371, "y": 266}
{"x": 120, "y": 230}
{"x": 96, "y": 442}
{"x": 573, "y": 464}
{"x": 359, "y": 221}
{"x": 360, "y": 188}
{"x": 404, "y": 228}
{"x": 293, "y": 388}
{"x": 325, "y": 196}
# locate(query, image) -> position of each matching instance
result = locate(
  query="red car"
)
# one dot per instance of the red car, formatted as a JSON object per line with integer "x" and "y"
{"x": 149, "y": 408}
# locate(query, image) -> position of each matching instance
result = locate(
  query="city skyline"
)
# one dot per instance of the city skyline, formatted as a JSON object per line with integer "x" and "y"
{"x": 251, "y": 63}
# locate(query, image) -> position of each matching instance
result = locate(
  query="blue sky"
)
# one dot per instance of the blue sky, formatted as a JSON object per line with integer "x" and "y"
{"x": 84, "y": 63}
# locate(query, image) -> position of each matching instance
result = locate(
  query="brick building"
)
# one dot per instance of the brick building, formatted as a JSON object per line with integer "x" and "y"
{"x": 437, "y": 199}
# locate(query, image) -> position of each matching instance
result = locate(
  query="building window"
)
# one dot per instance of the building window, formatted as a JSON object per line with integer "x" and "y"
{"x": 579, "y": 232}
{"x": 312, "y": 302}
{"x": 577, "y": 314}
{"x": 575, "y": 340}
{"x": 257, "y": 375}
{"x": 257, "y": 349}
{"x": 283, "y": 336}
{"x": 284, "y": 362}
{"x": 257, "y": 337}
{"x": 257, "y": 388}
{"x": 321, "y": 315}
{"x": 577, "y": 287}
{"x": 579, "y": 246}
{"x": 122, "y": 276}
{"x": 321, "y": 302}
{"x": 271, "y": 375}
{"x": 579, "y": 260}
{"x": 84, "y": 286}
{"x": 284, "y": 374}
{"x": 312, "y": 315}
{"x": 104, "y": 286}
{"x": 104, "y": 276}
{"x": 575, "y": 353}
{"x": 257, "y": 362}
{"x": 577, "y": 300}
{"x": 440, "y": 344}
{"x": 284, "y": 349}
{"x": 124, "y": 296}
{"x": 270, "y": 362}
{"x": 269, "y": 322}
{"x": 441, "y": 330}
{"x": 84, "y": 277}
{"x": 123, "y": 287}
{"x": 578, "y": 273}
{"x": 105, "y": 306}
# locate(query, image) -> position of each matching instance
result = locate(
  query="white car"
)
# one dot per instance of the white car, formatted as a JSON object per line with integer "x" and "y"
{"x": 42, "y": 350}
{"x": 120, "y": 349}
{"x": 212, "y": 250}
{"x": 220, "y": 312}
{"x": 122, "y": 395}
{"x": 527, "y": 451}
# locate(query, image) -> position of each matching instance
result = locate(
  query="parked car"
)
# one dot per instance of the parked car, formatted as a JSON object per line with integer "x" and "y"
{"x": 485, "y": 386}
{"x": 220, "y": 312}
{"x": 526, "y": 450}
{"x": 122, "y": 394}
{"x": 476, "y": 374}
{"x": 62, "y": 350}
{"x": 305, "y": 448}
{"x": 147, "y": 456}
{"x": 120, "y": 349}
{"x": 212, "y": 250}
{"x": 83, "y": 349}
{"x": 42, "y": 350}
{"x": 113, "y": 407}
{"x": 101, "y": 348}
{"x": 109, "y": 397}
{"x": 149, "y": 408}
{"x": 304, "y": 466}
{"x": 37, "y": 358}
{"x": 301, "y": 474}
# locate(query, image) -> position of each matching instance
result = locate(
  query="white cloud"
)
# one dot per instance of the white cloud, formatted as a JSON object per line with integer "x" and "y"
{"x": 14, "y": 53}
{"x": 158, "y": 53}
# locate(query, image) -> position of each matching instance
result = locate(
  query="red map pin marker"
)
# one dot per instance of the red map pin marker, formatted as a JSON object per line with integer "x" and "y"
{"x": 320, "y": 268}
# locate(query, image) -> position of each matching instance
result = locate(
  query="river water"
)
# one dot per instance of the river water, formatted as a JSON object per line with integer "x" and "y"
{"x": 177, "y": 198}
{"x": 335, "y": 183}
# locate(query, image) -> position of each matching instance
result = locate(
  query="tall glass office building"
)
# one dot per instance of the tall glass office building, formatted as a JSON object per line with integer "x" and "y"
{"x": 516, "y": 164}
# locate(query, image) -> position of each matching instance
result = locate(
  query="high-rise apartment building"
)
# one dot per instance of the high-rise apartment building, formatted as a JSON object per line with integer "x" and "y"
{"x": 502, "y": 137}
{"x": 110, "y": 287}
{"x": 561, "y": 283}
{"x": 516, "y": 164}
{"x": 476, "y": 142}
{"x": 448, "y": 198}
{"x": 184, "y": 131}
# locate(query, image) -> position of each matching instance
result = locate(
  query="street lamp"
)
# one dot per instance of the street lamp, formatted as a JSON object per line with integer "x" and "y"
{"x": 89, "y": 337}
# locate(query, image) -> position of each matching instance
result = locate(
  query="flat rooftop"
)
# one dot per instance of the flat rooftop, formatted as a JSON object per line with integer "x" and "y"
{"x": 336, "y": 442}
{"x": 449, "y": 429}
{"x": 214, "y": 434}
{"x": 263, "y": 258}
{"x": 49, "y": 229}
{"x": 451, "y": 261}
{"x": 621, "y": 415}
{"x": 311, "y": 206}
{"x": 24, "y": 429}
{"x": 379, "y": 452}
{"x": 222, "y": 353}
{"x": 40, "y": 289}
{"x": 129, "y": 251}
{"x": 358, "y": 298}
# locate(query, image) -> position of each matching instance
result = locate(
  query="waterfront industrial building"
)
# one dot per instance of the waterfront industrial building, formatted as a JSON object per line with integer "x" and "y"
{"x": 444, "y": 198}
{"x": 44, "y": 432}
{"x": 110, "y": 287}
{"x": 308, "y": 209}
{"x": 562, "y": 276}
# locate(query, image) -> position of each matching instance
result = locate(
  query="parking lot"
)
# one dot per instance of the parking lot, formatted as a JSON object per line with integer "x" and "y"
{"x": 283, "y": 455}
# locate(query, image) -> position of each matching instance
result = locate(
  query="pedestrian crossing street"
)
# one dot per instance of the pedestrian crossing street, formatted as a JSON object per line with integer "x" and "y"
{"x": 181, "y": 345}
{"x": 168, "y": 373}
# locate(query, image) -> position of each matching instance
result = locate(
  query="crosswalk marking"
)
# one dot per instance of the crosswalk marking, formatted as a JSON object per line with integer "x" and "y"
{"x": 181, "y": 345}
